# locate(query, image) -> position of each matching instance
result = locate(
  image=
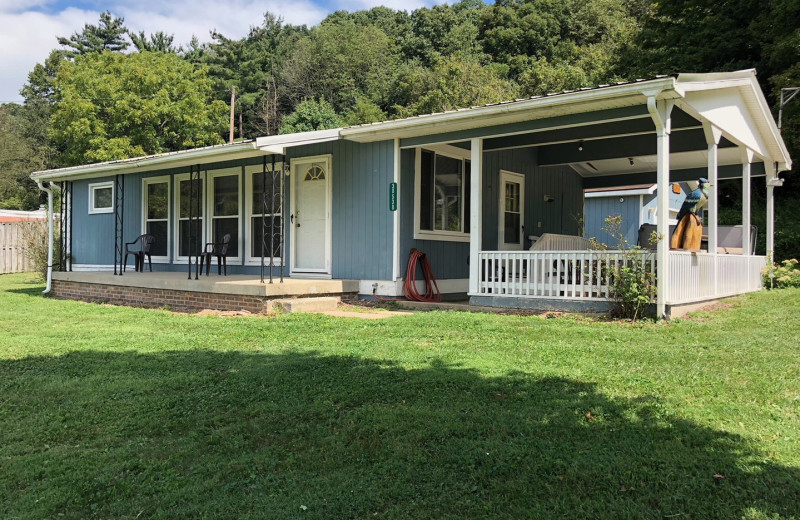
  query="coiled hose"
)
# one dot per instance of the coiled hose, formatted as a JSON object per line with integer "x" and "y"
{"x": 432, "y": 293}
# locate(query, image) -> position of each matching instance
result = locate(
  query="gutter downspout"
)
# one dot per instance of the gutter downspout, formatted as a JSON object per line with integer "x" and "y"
{"x": 50, "y": 240}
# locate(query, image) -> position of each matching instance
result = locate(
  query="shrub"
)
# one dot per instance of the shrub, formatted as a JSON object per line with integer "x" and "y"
{"x": 785, "y": 274}
{"x": 632, "y": 285}
{"x": 34, "y": 244}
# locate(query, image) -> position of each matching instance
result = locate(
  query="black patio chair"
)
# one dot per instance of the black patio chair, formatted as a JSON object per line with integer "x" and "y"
{"x": 220, "y": 251}
{"x": 145, "y": 244}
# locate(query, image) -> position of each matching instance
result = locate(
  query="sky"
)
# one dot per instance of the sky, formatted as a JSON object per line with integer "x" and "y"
{"x": 28, "y": 28}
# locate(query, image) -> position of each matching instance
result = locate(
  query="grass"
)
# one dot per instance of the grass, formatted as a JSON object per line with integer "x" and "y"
{"x": 112, "y": 412}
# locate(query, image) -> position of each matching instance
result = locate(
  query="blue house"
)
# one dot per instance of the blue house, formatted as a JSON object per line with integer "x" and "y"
{"x": 338, "y": 211}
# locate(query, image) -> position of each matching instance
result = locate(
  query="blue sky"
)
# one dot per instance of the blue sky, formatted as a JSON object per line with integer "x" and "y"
{"x": 28, "y": 28}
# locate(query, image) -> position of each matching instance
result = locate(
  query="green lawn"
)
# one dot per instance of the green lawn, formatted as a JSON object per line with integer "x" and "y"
{"x": 111, "y": 412}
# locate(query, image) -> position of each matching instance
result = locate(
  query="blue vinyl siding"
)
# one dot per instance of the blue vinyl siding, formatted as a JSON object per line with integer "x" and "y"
{"x": 600, "y": 208}
{"x": 449, "y": 259}
{"x": 362, "y": 226}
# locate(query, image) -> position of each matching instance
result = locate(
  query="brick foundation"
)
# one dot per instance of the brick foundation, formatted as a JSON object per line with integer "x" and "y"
{"x": 182, "y": 301}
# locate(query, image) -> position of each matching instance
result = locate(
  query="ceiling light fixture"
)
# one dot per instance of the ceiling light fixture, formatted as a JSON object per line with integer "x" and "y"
{"x": 580, "y": 146}
{"x": 630, "y": 160}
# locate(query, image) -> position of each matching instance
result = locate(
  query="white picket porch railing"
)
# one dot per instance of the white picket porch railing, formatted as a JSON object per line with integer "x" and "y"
{"x": 692, "y": 275}
{"x": 583, "y": 275}
{"x": 586, "y": 275}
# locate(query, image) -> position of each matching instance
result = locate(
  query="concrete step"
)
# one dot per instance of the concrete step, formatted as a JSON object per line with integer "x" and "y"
{"x": 318, "y": 304}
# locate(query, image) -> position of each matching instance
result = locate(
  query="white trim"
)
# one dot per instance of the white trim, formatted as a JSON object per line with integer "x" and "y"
{"x": 92, "y": 267}
{"x": 396, "y": 216}
{"x": 476, "y": 214}
{"x": 249, "y": 170}
{"x": 158, "y": 180}
{"x": 433, "y": 234}
{"x": 619, "y": 193}
{"x": 519, "y": 179}
{"x": 312, "y": 273}
{"x": 395, "y": 288}
{"x": 277, "y": 144}
{"x": 100, "y": 186}
{"x": 176, "y": 258}
{"x": 209, "y": 210}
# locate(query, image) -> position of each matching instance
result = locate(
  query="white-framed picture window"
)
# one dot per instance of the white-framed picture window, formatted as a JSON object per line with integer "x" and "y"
{"x": 225, "y": 210}
{"x": 101, "y": 197}
{"x": 442, "y": 196}
{"x": 182, "y": 231}
{"x": 155, "y": 215}
{"x": 272, "y": 213}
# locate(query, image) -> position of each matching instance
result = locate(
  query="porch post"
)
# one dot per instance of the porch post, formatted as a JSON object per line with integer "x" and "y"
{"x": 713, "y": 135}
{"x": 747, "y": 159}
{"x": 396, "y": 214}
{"x": 660, "y": 112}
{"x": 476, "y": 214}
{"x": 771, "y": 183}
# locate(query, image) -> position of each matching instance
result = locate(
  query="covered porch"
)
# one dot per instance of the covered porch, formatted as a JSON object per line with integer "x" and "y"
{"x": 660, "y": 131}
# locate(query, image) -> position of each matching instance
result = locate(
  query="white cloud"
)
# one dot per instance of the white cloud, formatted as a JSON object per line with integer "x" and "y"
{"x": 28, "y": 36}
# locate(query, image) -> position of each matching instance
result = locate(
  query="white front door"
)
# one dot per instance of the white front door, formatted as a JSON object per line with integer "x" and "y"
{"x": 511, "y": 226}
{"x": 310, "y": 218}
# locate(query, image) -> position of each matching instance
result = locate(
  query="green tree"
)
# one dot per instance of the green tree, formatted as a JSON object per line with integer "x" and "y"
{"x": 113, "y": 106}
{"x": 311, "y": 115}
{"x": 17, "y": 160}
{"x": 107, "y": 35}
{"x": 450, "y": 84}
{"x": 156, "y": 42}
{"x": 341, "y": 63}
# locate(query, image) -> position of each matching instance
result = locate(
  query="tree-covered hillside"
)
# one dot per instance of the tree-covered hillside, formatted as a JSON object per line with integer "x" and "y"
{"x": 365, "y": 66}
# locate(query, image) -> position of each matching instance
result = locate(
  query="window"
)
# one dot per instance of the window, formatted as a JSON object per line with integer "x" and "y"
{"x": 224, "y": 210}
{"x": 183, "y": 230}
{"x": 101, "y": 198}
{"x": 155, "y": 214}
{"x": 443, "y": 197}
{"x": 256, "y": 209}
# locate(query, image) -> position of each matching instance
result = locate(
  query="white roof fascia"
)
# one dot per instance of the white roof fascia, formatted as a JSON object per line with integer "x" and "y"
{"x": 773, "y": 148}
{"x": 277, "y": 144}
{"x": 620, "y": 193}
{"x": 165, "y": 160}
{"x": 573, "y": 102}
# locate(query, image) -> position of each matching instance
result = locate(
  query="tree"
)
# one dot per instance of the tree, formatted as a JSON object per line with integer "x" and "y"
{"x": 311, "y": 115}
{"x": 107, "y": 35}
{"x": 450, "y": 84}
{"x": 113, "y": 106}
{"x": 17, "y": 160}
{"x": 157, "y": 42}
{"x": 341, "y": 63}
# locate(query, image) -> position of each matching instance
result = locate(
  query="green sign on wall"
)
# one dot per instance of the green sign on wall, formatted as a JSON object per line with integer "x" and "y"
{"x": 393, "y": 196}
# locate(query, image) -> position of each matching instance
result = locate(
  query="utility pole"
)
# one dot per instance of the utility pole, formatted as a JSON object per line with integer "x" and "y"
{"x": 233, "y": 102}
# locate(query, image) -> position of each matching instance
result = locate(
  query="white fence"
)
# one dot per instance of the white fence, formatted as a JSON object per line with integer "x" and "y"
{"x": 700, "y": 276}
{"x": 584, "y": 275}
{"x": 12, "y": 256}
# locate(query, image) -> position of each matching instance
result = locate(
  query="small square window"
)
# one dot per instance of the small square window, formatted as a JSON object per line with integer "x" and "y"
{"x": 101, "y": 198}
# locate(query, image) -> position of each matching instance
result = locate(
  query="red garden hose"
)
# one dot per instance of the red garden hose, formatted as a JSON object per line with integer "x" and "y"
{"x": 432, "y": 293}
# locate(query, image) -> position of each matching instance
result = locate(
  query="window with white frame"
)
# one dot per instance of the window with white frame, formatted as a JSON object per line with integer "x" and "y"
{"x": 101, "y": 197}
{"x": 224, "y": 211}
{"x": 443, "y": 196}
{"x": 260, "y": 230}
{"x": 184, "y": 232}
{"x": 155, "y": 214}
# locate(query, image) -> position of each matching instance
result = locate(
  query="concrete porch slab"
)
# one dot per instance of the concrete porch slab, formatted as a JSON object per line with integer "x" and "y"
{"x": 243, "y": 285}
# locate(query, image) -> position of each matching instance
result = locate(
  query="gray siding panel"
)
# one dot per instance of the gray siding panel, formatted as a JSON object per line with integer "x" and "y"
{"x": 598, "y": 209}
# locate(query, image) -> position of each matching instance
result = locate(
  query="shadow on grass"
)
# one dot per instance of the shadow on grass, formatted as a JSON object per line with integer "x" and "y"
{"x": 232, "y": 435}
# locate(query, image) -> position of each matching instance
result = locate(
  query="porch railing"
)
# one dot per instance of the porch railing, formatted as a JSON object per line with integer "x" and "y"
{"x": 587, "y": 275}
{"x": 692, "y": 275}
{"x": 584, "y": 275}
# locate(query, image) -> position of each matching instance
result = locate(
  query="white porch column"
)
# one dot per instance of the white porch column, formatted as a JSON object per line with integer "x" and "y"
{"x": 475, "y": 213}
{"x": 713, "y": 135}
{"x": 396, "y": 216}
{"x": 747, "y": 159}
{"x": 772, "y": 181}
{"x": 660, "y": 112}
